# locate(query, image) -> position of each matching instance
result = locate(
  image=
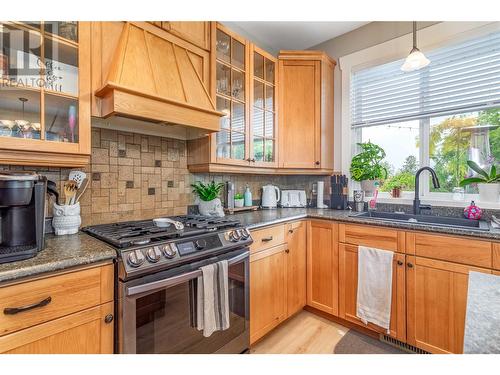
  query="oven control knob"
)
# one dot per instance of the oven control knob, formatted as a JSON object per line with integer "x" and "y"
{"x": 245, "y": 234}
{"x": 153, "y": 254}
{"x": 169, "y": 251}
{"x": 234, "y": 236}
{"x": 200, "y": 244}
{"x": 136, "y": 258}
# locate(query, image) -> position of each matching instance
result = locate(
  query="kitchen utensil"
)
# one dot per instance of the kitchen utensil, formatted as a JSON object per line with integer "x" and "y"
{"x": 270, "y": 196}
{"x": 81, "y": 190}
{"x": 293, "y": 198}
{"x": 70, "y": 188}
{"x": 78, "y": 177}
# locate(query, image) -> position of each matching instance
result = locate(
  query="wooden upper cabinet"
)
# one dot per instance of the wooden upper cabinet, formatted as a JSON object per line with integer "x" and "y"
{"x": 348, "y": 286}
{"x": 296, "y": 266}
{"x": 306, "y": 110}
{"x": 45, "y": 103}
{"x": 437, "y": 302}
{"x": 322, "y": 266}
{"x": 195, "y": 32}
{"x": 232, "y": 70}
{"x": 263, "y": 108}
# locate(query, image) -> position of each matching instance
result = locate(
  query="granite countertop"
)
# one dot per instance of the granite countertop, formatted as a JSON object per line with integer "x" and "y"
{"x": 60, "y": 252}
{"x": 257, "y": 219}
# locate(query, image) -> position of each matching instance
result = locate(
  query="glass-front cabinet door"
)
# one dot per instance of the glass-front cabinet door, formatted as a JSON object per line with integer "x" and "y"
{"x": 42, "y": 108}
{"x": 232, "y": 97}
{"x": 263, "y": 121}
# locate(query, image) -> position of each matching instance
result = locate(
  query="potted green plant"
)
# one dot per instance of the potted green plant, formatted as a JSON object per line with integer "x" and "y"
{"x": 367, "y": 168}
{"x": 488, "y": 183}
{"x": 208, "y": 200}
{"x": 239, "y": 200}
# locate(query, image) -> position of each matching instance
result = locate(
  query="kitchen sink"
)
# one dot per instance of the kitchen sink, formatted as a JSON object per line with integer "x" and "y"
{"x": 444, "y": 221}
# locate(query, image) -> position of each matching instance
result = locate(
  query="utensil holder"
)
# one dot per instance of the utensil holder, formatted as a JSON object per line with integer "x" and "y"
{"x": 66, "y": 219}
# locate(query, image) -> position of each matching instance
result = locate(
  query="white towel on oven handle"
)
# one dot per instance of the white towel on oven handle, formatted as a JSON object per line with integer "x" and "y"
{"x": 212, "y": 311}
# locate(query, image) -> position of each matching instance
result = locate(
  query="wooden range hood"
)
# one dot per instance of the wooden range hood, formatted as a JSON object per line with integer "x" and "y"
{"x": 153, "y": 79}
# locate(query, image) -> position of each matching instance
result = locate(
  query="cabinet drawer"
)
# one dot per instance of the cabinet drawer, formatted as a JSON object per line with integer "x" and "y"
{"x": 458, "y": 250}
{"x": 61, "y": 295}
{"x": 267, "y": 238}
{"x": 365, "y": 235}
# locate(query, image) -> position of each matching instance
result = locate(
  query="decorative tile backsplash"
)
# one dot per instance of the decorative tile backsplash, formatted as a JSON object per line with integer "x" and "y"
{"x": 134, "y": 176}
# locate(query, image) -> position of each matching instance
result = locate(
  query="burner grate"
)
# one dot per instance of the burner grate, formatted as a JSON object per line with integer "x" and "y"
{"x": 130, "y": 233}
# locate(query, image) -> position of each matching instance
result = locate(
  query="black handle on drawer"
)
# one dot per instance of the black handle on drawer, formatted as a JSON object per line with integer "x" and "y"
{"x": 267, "y": 239}
{"x": 17, "y": 310}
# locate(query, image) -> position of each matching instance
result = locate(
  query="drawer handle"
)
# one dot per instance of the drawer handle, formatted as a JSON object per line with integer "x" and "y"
{"x": 267, "y": 239}
{"x": 17, "y": 310}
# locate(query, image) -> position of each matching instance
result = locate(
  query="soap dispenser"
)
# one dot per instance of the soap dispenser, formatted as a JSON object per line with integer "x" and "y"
{"x": 248, "y": 197}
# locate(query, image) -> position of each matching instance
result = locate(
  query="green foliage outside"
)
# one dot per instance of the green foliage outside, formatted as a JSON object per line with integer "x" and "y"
{"x": 448, "y": 148}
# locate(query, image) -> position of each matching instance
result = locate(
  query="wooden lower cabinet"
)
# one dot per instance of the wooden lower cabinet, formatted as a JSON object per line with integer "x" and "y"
{"x": 348, "y": 286}
{"x": 295, "y": 267}
{"x": 267, "y": 291}
{"x": 322, "y": 266}
{"x": 64, "y": 313}
{"x": 437, "y": 301}
{"x": 85, "y": 332}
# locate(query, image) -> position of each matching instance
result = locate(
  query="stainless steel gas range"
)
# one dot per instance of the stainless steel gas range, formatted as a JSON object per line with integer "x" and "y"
{"x": 156, "y": 284}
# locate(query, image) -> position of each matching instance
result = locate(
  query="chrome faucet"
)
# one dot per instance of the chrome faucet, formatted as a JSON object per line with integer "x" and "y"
{"x": 417, "y": 207}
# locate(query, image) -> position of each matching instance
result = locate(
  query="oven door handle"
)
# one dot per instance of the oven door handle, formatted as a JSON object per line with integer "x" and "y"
{"x": 175, "y": 280}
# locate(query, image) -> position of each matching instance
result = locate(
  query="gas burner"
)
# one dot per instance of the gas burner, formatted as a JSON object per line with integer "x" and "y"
{"x": 136, "y": 233}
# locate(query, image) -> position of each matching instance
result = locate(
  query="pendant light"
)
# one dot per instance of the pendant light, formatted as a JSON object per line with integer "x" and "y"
{"x": 416, "y": 60}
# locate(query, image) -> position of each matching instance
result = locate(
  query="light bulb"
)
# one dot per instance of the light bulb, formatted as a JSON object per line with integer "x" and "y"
{"x": 416, "y": 60}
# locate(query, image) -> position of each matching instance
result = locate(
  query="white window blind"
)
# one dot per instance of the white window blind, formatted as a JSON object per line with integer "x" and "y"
{"x": 461, "y": 77}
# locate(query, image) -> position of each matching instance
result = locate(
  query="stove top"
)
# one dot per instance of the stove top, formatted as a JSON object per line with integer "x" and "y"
{"x": 144, "y": 248}
{"x": 133, "y": 233}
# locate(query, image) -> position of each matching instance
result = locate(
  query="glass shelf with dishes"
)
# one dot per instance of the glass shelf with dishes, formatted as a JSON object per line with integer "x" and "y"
{"x": 39, "y": 81}
{"x": 263, "y": 108}
{"x": 231, "y": 97}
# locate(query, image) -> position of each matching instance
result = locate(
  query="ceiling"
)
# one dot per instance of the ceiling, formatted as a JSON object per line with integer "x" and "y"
{"x": 274, "y": 36}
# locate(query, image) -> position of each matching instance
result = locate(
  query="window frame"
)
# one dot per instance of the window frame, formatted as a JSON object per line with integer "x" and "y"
{"x": 435, "y": 36}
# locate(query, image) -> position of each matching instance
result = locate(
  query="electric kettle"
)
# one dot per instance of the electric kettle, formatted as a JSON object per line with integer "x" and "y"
{"x": 270, "y": 196}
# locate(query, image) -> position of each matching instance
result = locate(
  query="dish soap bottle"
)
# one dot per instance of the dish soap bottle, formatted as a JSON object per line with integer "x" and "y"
{"x": 248, "y": 197}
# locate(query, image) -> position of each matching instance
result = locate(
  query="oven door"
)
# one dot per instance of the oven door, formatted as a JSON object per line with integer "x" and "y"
{"x": 157, "y": 313}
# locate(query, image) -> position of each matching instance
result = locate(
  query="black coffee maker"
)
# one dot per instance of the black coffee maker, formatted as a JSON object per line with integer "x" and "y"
{"x": 22, "y": 215}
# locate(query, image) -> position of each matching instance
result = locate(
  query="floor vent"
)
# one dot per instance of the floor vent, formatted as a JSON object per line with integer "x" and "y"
{"x": 401, "y": 345}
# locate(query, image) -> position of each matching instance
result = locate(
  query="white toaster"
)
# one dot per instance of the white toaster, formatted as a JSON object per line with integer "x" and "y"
{"x": 293, "y": 198}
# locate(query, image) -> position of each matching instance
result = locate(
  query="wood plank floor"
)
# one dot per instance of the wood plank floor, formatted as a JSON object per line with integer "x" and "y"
{"x": 304, "y": 333}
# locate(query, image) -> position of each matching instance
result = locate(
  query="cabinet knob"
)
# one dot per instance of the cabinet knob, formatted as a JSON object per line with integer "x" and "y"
{"x": 287, "y": 251}
{"x": 410, "y": 265}
{"x": 317, "y": 163}
{"x": 108, "y": 318}
{"x": 400, "y": 263}
{"x": 290, "y": 230}
{"x": 252, "y": 160}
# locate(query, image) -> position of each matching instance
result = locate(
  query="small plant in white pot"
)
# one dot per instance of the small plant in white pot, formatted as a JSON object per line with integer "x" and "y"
{"x": 367, "y": 168}
{"x": 208, "y": 200}
{"x": 239, "y": 200}
{"x": 487, "y": 183}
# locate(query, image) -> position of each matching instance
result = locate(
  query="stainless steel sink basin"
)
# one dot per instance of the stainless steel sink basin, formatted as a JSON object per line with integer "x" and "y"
{"x": 443, "y": 221}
